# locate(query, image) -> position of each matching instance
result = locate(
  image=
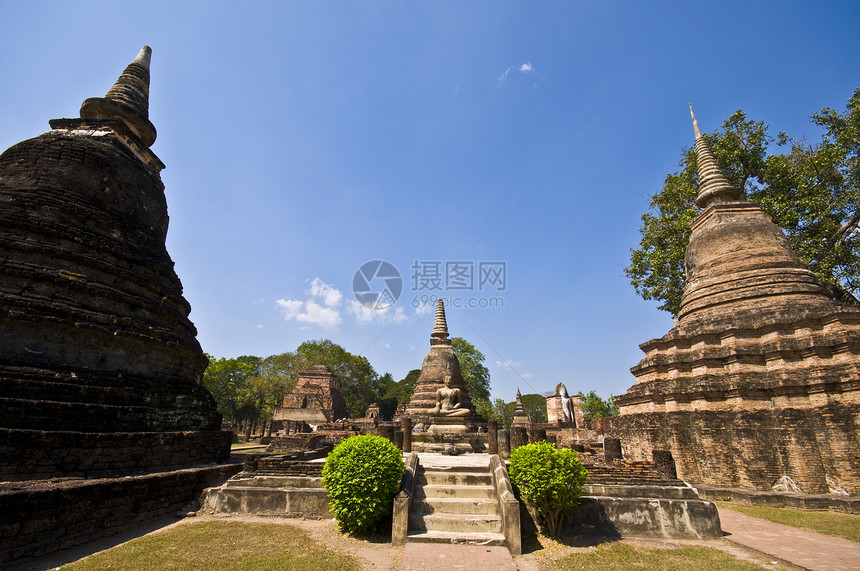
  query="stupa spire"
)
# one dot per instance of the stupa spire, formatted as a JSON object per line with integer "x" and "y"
{"x": 713, "y": 184}
{"x": 440, "y": 326}
{"x": 127, "y": 100}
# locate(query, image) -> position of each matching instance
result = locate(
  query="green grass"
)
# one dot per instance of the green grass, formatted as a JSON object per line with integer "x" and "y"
{"x": 832, "y": 523}
{"x": 622, "y": 556}
{"x": 222, "y": 545}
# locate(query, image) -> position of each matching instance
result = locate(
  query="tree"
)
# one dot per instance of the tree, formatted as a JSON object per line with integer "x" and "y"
{"x": 475, "y": 374}
{"x": 595, "y": 407}
{"x": 813, "y": 193}
{"x": 498, "y": 410}
{"x": 225, "y": 379}
{"x": 402, "y": 390}
{"x": 535, "y": 407}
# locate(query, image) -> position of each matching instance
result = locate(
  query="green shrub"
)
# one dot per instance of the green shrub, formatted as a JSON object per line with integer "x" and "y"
{"x": 362, "y": 475}
{"x": 549, "y": 480}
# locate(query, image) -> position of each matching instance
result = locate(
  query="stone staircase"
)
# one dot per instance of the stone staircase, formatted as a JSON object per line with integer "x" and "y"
{"x": 455, "y": 504}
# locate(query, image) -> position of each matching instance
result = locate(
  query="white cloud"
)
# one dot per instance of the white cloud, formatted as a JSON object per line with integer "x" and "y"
{"x": 421, "y": 309}
{"x": 504, "y": 76}
{"x": 365, "y": 315}
{"x": 259, "y": 326}
{"x": 387, "y": 345}
{"x": 330, "y": 295}
{"x": 310, "y": 311}
{"x": 526, "y": 67}
{"x": 410, "y": 347}
{"x": 508, "y": 364}
{"x": 527, "y": 375}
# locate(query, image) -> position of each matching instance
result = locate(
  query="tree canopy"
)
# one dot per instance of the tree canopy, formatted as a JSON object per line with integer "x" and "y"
{"x": 475, "y": 374}
{"x": 812, "y": 192}
{"x": 250, "y": 388}
{"x": 595, "y": 407}
{"x": 402, "y": 390}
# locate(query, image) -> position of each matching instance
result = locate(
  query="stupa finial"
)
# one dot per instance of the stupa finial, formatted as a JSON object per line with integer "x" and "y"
{"x": 519, "y": 396}
{"x": 127, "y": 100}
{"x": 440, "y": 326}
{"x": 695, "y": 123}
{"x": 713, "y": 184}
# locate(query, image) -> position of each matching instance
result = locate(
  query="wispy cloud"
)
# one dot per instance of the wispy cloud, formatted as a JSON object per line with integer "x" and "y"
{"x": 526, "y": 67}
{"x": 508, "y": 364}
{"x": 504, "y": 76}
{"x": 321, "y": 308}
{"x": 365, "y": 315}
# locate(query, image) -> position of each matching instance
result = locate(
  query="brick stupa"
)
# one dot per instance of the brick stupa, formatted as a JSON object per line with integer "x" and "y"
{"x": 100, "y": 368}
{"x": 439, "y": 364}
{"x": 760, "y": 378}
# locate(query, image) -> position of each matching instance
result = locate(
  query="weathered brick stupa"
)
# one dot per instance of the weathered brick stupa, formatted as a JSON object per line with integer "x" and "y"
{"x": 760, "y": 378}
{"x": 99, "y": 365}
{"x": 440, "y": 401}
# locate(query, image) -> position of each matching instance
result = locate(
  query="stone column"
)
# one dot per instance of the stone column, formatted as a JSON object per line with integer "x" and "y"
{"x": 665, "y": 463}
{"x": 492, "y": 437}
{"x": 503, "y": 441}
{"x": 519, "y": 437}
{"x": 536, "y": 434}
{"x": 398, "y": 439}
{"x": 406, "y": 424}
{"x": 612, "y": 449}
{"x": 386, "y": 432}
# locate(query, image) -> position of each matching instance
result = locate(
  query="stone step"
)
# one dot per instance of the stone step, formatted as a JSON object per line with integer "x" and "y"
{"x": 274, "y": 482}
{"x": 455, "y": 537}
{"x": 455, "y": 522}
{"x": 640, "y": 491}
{"x": 455, "y": 506}
{"x": 458, "y": 478}
{"x": 461, "y": 492}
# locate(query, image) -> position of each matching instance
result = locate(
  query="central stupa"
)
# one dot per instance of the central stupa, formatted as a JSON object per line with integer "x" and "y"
{"x": 441, "y": 401}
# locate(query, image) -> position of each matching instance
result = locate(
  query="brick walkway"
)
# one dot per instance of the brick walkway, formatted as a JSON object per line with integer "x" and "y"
{"x": 800, "y": 547}
{"x": 432, "y": 556}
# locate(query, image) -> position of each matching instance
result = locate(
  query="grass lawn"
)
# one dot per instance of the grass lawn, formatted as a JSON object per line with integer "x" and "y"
{"x": 832, "y": 523}
{"x": 222, "y": 545}
{"x": 622, "y": 556}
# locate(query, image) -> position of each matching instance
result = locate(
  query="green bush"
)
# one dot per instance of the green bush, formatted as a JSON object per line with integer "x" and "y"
{"x": 549, "y": 480}
{"x": 362, "y": 475}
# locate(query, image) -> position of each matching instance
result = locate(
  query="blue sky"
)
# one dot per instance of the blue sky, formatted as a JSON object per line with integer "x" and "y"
{"x": 304, "y": 139}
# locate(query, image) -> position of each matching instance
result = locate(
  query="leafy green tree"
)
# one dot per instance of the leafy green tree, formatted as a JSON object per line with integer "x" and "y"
{"x": 475, "y": 374}
{"x": 535, "y": 407}
{"x": 595, "y": 407}
{"x": 812, "y": 192}
{"x": 402, "y": 390}
{"x": 549, "y": 480}
{"x": 225, "y": 379}
{"x": 497, "y": 410}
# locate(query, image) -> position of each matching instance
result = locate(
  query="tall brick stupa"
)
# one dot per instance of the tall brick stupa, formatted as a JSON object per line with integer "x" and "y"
{"x": 441, "y": 400}
{"x": 100, "y": 368}
{"x": 760, "y": 378}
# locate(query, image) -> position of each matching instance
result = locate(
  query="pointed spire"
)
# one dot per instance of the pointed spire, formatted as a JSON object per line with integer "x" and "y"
{"x": 519, "y": 396}
{"x": 440, "y": 326}
{"x": 127, "y": 100}
{"x": 713, "y": 184}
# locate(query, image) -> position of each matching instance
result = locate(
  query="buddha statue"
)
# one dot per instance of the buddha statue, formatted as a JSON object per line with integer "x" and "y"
{"x": 448, "y": 400}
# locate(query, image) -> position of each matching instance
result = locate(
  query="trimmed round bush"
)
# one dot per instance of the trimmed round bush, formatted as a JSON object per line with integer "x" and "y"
{"x": 362, "y": 475}
{"x": 549, "y": 480}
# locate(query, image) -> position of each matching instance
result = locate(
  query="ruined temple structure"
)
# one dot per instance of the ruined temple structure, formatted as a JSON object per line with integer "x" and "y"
{"x": 565, "y": 410}
{"x": 316, "y": 399}
{"x": 760, "y": 378}
{"x": 100, "y": 368}
{"x": 440, "y": 402}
